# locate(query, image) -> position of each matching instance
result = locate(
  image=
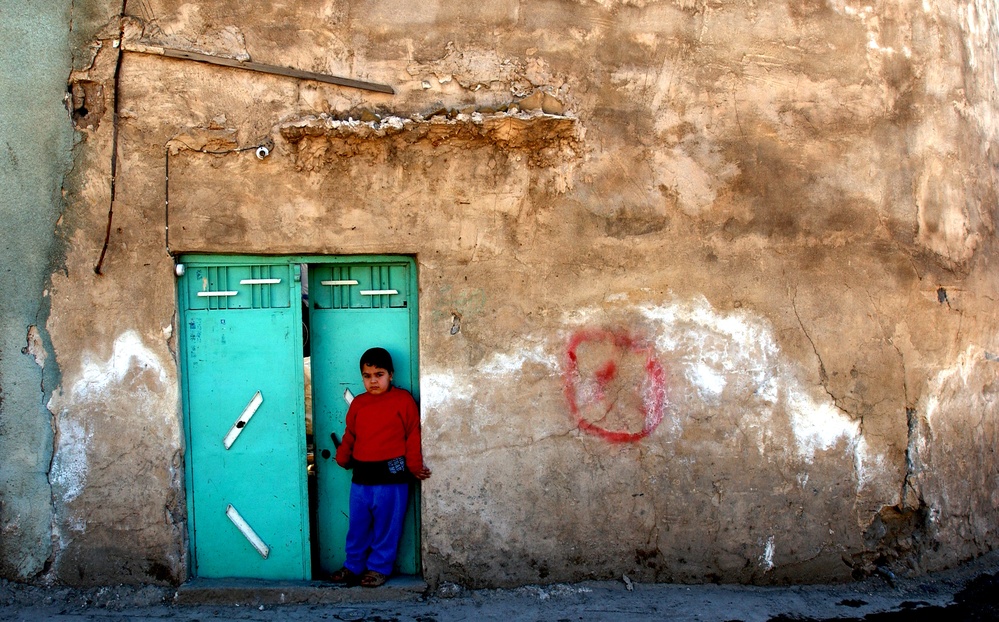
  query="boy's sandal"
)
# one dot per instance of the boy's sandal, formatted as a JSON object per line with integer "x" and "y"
{"x": 345, "y": 575}
{"x": 370, "y": 578}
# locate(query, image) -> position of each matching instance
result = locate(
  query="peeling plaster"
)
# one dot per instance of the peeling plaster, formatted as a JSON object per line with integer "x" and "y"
{"x": 70, "y": 464}
{"x": 722, "y": 366}
{"x": 35, "y": 347}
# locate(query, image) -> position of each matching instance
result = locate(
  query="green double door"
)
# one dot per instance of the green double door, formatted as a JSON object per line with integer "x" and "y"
{"x": 248, "y": 482}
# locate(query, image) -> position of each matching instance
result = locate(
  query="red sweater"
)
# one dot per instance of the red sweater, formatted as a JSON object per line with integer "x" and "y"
{"x": 382, "y": 427}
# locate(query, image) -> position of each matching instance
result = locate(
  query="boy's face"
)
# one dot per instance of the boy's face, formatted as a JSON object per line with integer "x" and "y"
{"x": 376, "y": 379}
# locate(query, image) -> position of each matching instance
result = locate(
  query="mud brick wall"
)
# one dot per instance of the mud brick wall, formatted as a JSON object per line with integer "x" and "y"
{"x": 707, "y": 289}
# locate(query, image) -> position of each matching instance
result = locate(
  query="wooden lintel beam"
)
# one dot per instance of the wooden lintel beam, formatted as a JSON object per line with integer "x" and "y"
{"x": 260, "y": 67}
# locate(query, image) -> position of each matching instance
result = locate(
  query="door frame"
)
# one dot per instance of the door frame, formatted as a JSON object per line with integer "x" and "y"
{"x": 293, "y": 260}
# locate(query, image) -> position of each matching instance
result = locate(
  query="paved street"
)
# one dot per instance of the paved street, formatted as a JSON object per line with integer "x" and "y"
{"x": 967, "y": 593}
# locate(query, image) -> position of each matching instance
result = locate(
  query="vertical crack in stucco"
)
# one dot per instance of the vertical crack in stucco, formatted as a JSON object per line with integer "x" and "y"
{"x": 170, "y": 338}
{"x": 910, "y": 497}
{"x": 48, "y": 572}
{"x": 36, "y": 347}
{"x": 883, "y": 221}
{"x": 960, "y": 326}
{"x": 175, "y": 509}
{"x": 54, "y": 525}
{"x": 653, "y": 542}
{"x": 823, "y": 376}
{"x": 906, "y": 500}
{"x": 53, "y": 501}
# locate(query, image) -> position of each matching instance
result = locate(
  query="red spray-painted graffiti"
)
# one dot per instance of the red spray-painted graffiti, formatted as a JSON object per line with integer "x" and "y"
{"x": 603, "y": 369}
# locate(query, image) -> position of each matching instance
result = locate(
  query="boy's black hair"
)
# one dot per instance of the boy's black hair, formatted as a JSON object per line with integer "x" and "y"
{"x": 377, "y": 357}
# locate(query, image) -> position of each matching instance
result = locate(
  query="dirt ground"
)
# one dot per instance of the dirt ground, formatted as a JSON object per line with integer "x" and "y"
{"x": 966, "y": 593}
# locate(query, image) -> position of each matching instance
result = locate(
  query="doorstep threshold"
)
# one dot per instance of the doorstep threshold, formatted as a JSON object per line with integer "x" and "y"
{"x": 255, "y": 592}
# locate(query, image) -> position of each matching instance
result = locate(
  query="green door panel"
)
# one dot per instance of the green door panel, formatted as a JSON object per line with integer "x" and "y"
{"x": 354, "y": 307}
{"x": 242, "y": 372}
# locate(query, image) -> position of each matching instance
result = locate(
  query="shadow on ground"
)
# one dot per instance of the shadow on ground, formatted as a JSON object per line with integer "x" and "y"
{"x": 979, "y": 601}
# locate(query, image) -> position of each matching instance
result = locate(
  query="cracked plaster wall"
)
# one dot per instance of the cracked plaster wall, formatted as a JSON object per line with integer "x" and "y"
{"x": 712, "y": 301}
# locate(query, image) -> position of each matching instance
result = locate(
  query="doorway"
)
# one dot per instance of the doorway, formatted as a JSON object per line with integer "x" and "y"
{"x": 265, "y": 496}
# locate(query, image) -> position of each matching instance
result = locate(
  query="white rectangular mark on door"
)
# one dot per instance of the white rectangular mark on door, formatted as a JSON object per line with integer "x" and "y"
{"x": 237, "y": 427}
{"x": 247, "y": 531}
{"x": 339, "y": 282}
{"x": 378, "y": 292}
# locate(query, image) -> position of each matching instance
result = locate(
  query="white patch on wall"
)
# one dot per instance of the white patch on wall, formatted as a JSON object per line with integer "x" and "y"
{"x": 767, "y": 558}
{"x": 708, "y": 380}
{"x": 852, "y": 9}
{"x": 437, "y": 389}
{"x": 869, "y": 466}
{"x": 818, "y": 426}
{"x": 961, "y": 370}
{"x": 69, "y": 464}
{"x": 503, "y": 363}
{"x": 97, "y": 388}
{"x": 97, "y": 377}
{"x": 980, "y": 23}
{"x": 736, "y": 353}
{"x": 710, "y": 357}
{"x": 715, "y": 350}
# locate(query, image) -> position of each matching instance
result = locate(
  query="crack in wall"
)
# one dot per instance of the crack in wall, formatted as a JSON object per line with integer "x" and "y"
{"x": 911, "y": 456}
{"x": 823, "y": 376}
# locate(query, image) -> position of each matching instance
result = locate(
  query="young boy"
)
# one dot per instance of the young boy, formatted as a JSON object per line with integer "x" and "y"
{"x": 381, "y": 444}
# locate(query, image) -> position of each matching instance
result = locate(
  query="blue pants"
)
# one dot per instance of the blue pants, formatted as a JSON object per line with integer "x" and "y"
{"x": 375, "y": 527}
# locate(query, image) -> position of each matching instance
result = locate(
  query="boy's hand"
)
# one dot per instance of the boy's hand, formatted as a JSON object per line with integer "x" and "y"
{"x": 423, "y": 473}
